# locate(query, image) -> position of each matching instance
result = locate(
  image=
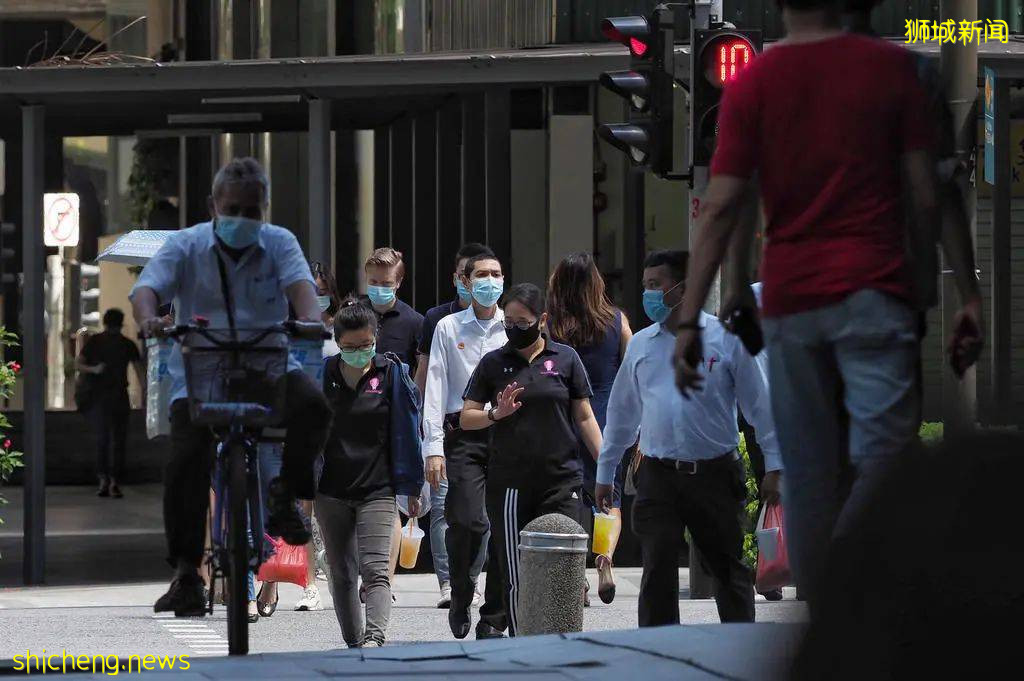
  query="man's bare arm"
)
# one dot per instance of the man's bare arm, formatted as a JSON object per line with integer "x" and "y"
{"x": 303, "y": 299}
{"x": 144, "y": 310}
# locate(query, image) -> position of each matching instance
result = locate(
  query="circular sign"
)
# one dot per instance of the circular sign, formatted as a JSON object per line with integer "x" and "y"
{"x": 724, "y": 57}
{"x": 60, "y": 219}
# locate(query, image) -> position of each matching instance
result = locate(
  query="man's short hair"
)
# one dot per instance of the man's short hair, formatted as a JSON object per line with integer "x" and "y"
{"x": 471, "y": 250}
{"x": 387, "y": 257}
{"x": 244, "y": 171}
{"x": 809, "y": 5}
{"x": 473, "y": 260}
{"x": 113, "y": 317}
{"x": 674, "y": 260}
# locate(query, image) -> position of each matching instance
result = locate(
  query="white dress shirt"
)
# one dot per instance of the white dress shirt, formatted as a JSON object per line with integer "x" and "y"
{"x": 460, "y": 342}
{"x": 645, "y": 399}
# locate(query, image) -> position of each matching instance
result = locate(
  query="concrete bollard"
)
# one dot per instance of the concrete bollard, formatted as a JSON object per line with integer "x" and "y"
{"x": 552, "y": 574}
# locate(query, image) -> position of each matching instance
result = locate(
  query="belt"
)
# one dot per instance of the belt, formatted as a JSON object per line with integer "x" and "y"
{"x": 451, "y": 421}
{"x": 695, "y": 467}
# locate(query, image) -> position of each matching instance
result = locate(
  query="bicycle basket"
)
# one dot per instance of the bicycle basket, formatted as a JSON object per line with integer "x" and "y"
{"x": 239, "y": 382}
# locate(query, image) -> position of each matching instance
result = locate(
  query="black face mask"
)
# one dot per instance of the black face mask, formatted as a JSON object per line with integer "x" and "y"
{"x": 523, "y": 339}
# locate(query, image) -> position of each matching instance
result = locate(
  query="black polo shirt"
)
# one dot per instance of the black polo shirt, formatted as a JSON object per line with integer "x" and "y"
{"x": 399, "y": 331}
{"x": 538, "y": 445}
{"x": 357, "y": 456}
{"x": 430, "y": 320}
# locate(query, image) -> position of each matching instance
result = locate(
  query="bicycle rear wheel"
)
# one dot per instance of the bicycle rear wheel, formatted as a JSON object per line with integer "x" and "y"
{"x": 238, "y": 549}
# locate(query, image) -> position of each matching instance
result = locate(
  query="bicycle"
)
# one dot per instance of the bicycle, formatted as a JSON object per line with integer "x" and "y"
{"x": 235, "y": 386}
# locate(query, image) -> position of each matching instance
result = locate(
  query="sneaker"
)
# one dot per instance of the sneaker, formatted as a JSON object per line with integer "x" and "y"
{"x": 372, "y": 643}
{"x": 445, "y": 601}
{"x": 104, "y": 490}
{"x": 184, "y": 598}
{"x": 485, "y": 631}
{"x": 310, "y": 599}
{"x": 285, "y": 521}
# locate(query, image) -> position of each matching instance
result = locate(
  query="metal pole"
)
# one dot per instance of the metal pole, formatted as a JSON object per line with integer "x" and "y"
{"x": 34, "y": 342}
{"x": 1002, "y": 379}
{"x": 319, "y": 246}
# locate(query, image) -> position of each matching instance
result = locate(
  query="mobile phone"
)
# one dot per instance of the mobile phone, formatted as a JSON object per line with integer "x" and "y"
{"x": 744, "y": 323}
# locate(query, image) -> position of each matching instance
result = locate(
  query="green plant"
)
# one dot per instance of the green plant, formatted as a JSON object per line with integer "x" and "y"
{"x": 931, "y": 432}
{"x": 9, "y": 458}
{"x": 154, "y": 175}
{"x": 752, "y": 507}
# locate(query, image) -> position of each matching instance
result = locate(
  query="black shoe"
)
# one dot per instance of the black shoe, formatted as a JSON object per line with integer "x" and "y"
{"x": 104, "y": 490}
{"x": 485, "y": 630}
{"x": 115, "y": 491}
{"x": 184, "y": 598}
{"x": 773, "y": 595}
{"x": 285, "y": 521}
{"x": 459, "y": 621}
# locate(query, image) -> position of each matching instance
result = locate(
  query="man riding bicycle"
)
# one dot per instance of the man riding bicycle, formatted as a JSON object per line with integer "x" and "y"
{"x": 261, "y": 269}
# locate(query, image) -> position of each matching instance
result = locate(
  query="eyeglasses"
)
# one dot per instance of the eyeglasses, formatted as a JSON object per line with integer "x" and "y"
{"x": 521, "y": 325}
{"x": 361, "y": 348}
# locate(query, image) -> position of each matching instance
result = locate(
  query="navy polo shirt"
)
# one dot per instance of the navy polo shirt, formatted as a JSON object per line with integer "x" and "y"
{"x": 398, "y": 331}
{"x": 430, "y": 320}
{"x": 536, "y": 446}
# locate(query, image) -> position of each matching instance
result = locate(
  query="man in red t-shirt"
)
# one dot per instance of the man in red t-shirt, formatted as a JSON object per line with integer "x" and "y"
{"x": 835, "y": 127}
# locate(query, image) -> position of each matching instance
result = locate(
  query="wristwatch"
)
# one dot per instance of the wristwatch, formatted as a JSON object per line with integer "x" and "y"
{"x": 490, "y": 414}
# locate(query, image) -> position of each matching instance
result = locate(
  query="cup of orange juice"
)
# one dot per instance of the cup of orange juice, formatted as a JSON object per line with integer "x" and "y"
{"x": 412, "y": 535}
{"x": 604, "y": 523}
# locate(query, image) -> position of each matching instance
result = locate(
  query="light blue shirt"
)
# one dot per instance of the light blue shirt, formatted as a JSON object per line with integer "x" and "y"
{"x": 645, "y": 400}
{"x": 184, "y": 272}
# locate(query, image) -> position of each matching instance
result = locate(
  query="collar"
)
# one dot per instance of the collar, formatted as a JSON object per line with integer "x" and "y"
{"x": 702, "y": 319}
{"x": 469, "y": 315}
{"x": 365, "y": 299}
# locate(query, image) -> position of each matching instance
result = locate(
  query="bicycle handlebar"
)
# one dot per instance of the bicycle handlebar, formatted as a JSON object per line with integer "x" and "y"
{"x": 290, "y": 328}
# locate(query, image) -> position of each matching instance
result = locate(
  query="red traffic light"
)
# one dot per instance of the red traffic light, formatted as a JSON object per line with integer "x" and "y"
{"x": 724, "y": 57}
{"x": 633, "y": 32}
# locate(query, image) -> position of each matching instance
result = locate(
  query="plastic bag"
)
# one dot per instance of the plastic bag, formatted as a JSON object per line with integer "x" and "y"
{"x": 288, "y": 564}
{"x": 772, "y": 558}
{"x": 158, "y": 388}
{"x": 403, "y": 502}
{"x": 310, "y": 354}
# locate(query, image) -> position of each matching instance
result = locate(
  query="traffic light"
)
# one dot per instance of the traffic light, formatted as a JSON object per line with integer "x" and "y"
{"x": 647, "y": 86}
{"x": 8, "y": 262}
{"x": 717, "y": 57}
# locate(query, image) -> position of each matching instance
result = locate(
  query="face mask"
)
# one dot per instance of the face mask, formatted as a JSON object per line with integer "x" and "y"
{"x": 486, "y": 291}
{"x": 523, "y": 338}
{"x": 460, "y": 288}
{"x": 237, "y": 232}
{"x": 323, "y": 302}
{"x": 358, "y": 359}
{"x": 380, "y": 295}
{"x": 654, "y": 305}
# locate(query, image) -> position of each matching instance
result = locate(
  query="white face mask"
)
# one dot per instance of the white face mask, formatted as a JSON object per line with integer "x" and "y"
{"x": 323, "y": 302}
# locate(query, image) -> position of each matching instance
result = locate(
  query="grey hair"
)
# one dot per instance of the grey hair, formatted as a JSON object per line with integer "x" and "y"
{"x": 244, "y": 171}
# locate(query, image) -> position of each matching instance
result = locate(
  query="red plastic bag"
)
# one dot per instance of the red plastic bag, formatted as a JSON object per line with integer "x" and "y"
{"x": 288, "y": 564}
{"x": 772, "y": 558}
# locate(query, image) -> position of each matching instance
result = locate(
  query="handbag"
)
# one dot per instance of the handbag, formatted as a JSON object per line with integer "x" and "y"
{"x": 772, "y": 557}
{"x": 288, "y": 564}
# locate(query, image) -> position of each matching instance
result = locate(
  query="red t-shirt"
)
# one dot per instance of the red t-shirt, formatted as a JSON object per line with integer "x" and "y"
{"x": 824, "y": 124}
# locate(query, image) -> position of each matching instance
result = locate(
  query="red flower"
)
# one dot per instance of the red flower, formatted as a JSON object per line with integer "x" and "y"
{"x": 7, "y": 444}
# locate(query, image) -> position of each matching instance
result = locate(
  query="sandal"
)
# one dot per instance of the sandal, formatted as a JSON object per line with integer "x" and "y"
{"x": 605, "y": 579}
{"x": 266, "y": 609}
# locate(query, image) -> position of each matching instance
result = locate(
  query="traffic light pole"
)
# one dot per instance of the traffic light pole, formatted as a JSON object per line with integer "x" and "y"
{"x": 701, "y": 12}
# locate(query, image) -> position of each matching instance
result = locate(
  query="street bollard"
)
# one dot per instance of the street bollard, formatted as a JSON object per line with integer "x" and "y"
{"x": 552, "y": 574}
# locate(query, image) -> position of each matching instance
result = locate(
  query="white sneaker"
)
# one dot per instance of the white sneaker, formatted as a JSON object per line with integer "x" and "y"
{"x": 310, "y": 599}
{"x": 371, "y": 643}
{"x": 446, "y": 596}
{"x": 476, "y": 598}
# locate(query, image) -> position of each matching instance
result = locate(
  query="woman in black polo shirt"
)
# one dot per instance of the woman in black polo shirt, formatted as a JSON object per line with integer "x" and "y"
{"x": 540, "y": 396}
{"x": 355, "y": 500}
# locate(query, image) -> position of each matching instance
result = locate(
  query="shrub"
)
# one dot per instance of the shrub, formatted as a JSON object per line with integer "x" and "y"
{"x": 9, "y": 458}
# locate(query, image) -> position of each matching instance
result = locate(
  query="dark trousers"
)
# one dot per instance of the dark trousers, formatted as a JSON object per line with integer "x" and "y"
{"x": 187, "y": 476}
{"x": 510, "y": 509}
{"x": 111, "y": 419}
{"x": 708, "y": 503}
{"x": 466, "y": 454}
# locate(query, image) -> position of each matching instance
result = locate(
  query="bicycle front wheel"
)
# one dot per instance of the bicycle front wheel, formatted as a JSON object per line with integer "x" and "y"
{"x": 238, "y": 549}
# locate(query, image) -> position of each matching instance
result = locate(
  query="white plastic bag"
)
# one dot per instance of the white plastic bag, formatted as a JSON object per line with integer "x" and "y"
{"x": 310, "y": 354}
{"x": 158, "y": 388}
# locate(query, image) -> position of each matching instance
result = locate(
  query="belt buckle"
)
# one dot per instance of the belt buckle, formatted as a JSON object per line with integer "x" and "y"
{"x": 682, "y": 466}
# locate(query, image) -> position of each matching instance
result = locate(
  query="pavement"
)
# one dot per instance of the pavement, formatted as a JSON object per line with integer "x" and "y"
{"x": 105, "y": 571}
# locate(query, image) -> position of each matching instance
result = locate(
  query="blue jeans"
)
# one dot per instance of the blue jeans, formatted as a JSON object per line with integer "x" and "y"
{"x": 438, "y": 527}
{"x": 270, "y": 468}
{"x": 854, "y": 359}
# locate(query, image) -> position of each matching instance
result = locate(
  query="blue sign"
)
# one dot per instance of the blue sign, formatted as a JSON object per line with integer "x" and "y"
{"x": 990, "y": 126}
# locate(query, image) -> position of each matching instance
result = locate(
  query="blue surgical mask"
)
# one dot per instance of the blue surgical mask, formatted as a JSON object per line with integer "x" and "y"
{"x": 464, "y": 295}
{"x": 487, "y": 290}
{"x": 655, "y": 307}
{"x": 358, "y": 359}
{"x": 380, "y": 295}
{"x": 323, "y": 302}
{"x": 236, "y": 231}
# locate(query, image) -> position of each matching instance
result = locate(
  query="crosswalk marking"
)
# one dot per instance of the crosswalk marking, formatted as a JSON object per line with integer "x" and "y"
{"x": 197, "y": 635}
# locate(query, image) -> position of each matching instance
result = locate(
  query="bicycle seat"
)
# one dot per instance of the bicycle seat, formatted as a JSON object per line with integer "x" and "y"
{"x": 228, "y": 413}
